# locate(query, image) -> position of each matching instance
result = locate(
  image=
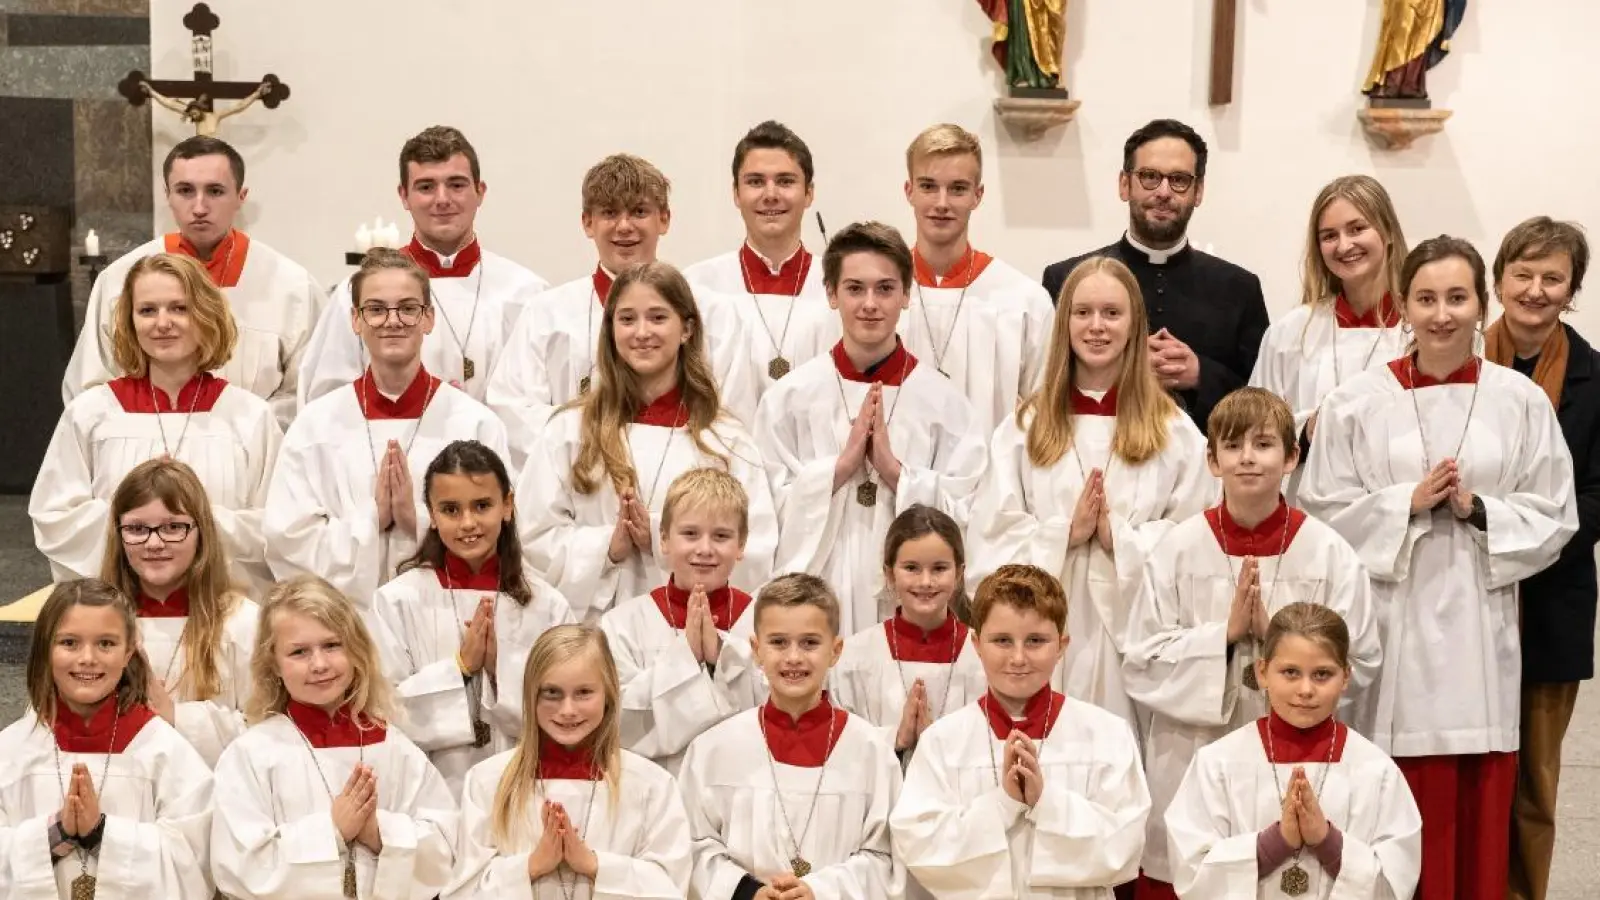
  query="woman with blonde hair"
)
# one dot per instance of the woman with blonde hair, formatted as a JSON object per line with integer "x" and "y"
{"x": 172, "y": 327}
{"x": 324, "y": 797}
{"x": 1093, "y": 470}
{"x": 597, "y": 475}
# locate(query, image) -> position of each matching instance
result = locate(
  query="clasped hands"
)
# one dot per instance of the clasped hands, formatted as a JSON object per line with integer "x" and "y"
{"x": 560, "y": 843}
{"x": 1091, "y": 516}
{"x": 1442, "y": 483}
{"x": 868, "y": 444}
{"x": 632, "y": 531}
{"x": 355, "y": 809}
{"x": 397, "y": 505}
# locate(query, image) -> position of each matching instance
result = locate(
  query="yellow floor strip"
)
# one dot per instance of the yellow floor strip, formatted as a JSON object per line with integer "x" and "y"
{"x": 26, "y": 609}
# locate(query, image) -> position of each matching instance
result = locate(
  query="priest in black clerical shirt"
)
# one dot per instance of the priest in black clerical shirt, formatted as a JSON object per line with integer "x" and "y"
{"x": 1207, "y": 315}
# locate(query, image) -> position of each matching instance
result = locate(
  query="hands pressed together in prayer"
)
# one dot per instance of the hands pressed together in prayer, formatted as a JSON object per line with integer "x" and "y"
{"x": 1022, "y": 778}
{"x": 1441, "y": 484}
{"x": 1247, "y": 615}
{"x": 560, "y": 843}
{"x": 1303, "y": 823}
{"x": 915, "y": 717}
{"x": 80, "y": 810}
{"x": 1176, "y": 366}
{"x": 700, "y": 628}
{"x": 1091, "y": 516}
{"x": 355, "y": 809}
{"x": 397, "y": 505}
{"x": 632, "y": 532}
{"x": 785, "y": 886}
{"x": 478, "y": 643}
{"x": 868, "y": 444}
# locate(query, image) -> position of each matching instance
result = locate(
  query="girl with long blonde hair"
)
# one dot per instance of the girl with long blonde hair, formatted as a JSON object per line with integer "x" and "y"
{"x": 568, "y": 802}
{"x": 597, "y": 475}
{"x": 1094, "y": 468}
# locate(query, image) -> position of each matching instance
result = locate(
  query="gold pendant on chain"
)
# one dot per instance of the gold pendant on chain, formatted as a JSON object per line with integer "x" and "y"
{"x": 480, "y": 733}
{"x": 83, "y": 887}
{"x": 350, "y": 874}
{"x": 468, "y": 368}
{"x": 1295, "y": 881}
{"x": 1250, "y": 679}
{"x": 799, "y": 866}
{"x": 583, "y": 385}
{"x": 867, "y": 494}
{"x": 777, "y": 368}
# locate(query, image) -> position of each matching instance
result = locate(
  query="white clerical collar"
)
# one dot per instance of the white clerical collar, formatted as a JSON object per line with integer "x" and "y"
{"x": 449, "y": 262}
{"x": 775, "y": 267}
{"x": 1158, "y": 257}
{"x": 1096, "y": 396}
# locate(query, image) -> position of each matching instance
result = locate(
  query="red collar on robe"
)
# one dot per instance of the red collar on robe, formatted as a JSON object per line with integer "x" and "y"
{"x": 176, "y": 606}
{"x": 1271, "y": 534}
{"x": 602, "y": 284}
{"x": 665, "y": 411}
{"x": 1085, "y": 405}
{"x": 961, "y": 275}
{"x": 139, "y": 395}
{"x": 758, "y": 279}
{"x": 891, "y": 371}
{"x": 409, "y": 405}
{"x": 909, "y": 643}
{"x": 1302, "y": 745}
{"x": 1410, "y": 377}
{"x": 74, "y": 735}
{"x": 803, "y": 743}
{"x": 567, "y": 763}
{"x": 336, "y": 730}
{"x": 1345, "y": 315}
{"x": 1033, "y": 722}
{"x": 227, "y": 260}
{"x": 467, "y": 259}
{"x": 727, "y": 604}
{"x": 457, "y": 575}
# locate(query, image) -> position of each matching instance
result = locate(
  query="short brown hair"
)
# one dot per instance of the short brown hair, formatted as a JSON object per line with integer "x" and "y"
{"x": 866, "y": 237}
{"x": 919, "y": 521}
{"x": 437, "y": 144}
{"x": 1542, "y": 236}
{"x": 1247, "y": 408}
{"x": 1021, "y": 587}
{"x": 798, "y": 589}
{"x": 622, "y": 180}
{"x": 710, "y": 489}
{"x": 944, "y": 140}
{"x": 133, "y": 689}
{"x": 201, "y": 145}
{"x": 771, "y": 135}
{"x": 380, "y": 259}
{"x": 1314, "y": 622}
{"x": 216, "y": 334}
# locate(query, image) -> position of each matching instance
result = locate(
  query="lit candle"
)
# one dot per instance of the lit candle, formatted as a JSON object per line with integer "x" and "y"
{"x": 377, "y": 232}
{"x": 91, "y": 244}
{"x": 393, "y": 234}
{"x": 363, "y": 238}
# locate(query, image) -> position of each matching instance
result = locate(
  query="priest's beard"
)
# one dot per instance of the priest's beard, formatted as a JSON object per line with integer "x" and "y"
{"x": 1154, "y": 234}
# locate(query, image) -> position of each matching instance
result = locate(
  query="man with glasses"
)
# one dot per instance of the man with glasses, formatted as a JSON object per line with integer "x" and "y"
{"x": 1207, "y": 315}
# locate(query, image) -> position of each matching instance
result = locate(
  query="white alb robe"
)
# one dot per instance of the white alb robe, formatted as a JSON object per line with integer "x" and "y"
{"x": 802, "y": 426}
{"x": 567, "y": 535}
{"x": 962, "y": 838}
{"x": 156, "y": 797}
{"x": 1178, "y": 665}
{"x": 321, "y": 514}
{"x": 992, "y": 341}
{"x": 417, "y": 624}
{"x": 273, "y": 837}
{"x": 275, "y": 306}
{"x": 1023, "y": 514}
{"x": 640, "y": 836}
{"x": 335, "y": 356}
{"x": 208, "y": 725}
{"x": 1228, "y": 796}
{"x": 232, "y": 446}
{"x": 1452, "y": 657}
{"x": 728, "y": 783}
{"x": 871, "y": 682}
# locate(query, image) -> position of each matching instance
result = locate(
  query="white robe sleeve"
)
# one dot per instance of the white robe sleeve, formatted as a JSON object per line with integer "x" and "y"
{"x": 433, "y": 692}
{"x": 211, "y": 725}
{"x": 960, "y": 456}
{"x": 871, "y": 870}
{"x": 69, "y": 521}
{"x": 1093, "y": 839}
{"x": 658, "y": 870}
{"x": 481, "y": 869}
{"x": 667, "y": 700}
{"x": 519, "y": 388}
{"x": 247, "y": 543}
{"x": 167, "y": 857}
{"x": 91, "y": 361}
{"x": 1530, "y": 524}
{"x": 956, "y": 850}
{"x": 1387, "y": 866}
{"x": 295, "y": 346}
{"x": 1280, "y": 361}
{"x": 256, "y": 857}
{"x": 419, "y": 833}
{"x": 573, "y": 557}
{"x": 309, "y": 530}
{"x": 27, "y": 871}
{"x": 714, "y": 875}
{"x": 728, "y": 344}
{"x": 1209, "y": 861}
{"x": 331, "y": 358}
{"x": 810, "y": 513}
{"x": 1006, "y": 524}
{"x": 1179, "y": 670}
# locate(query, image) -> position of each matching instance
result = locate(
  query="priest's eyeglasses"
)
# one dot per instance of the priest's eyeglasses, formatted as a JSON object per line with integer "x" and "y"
{"x": 170, "y": 532}
{"x": 375, "y": 314}
{"x": 1150, "y": 179}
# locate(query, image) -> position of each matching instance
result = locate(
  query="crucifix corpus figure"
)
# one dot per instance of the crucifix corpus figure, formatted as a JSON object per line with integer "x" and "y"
{"x": 195, "y": 99}
{"x": 1028, "y": 38}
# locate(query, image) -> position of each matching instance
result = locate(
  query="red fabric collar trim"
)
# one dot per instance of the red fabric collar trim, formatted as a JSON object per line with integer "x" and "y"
{"x": 176, "y": 606}
{"x": 138, "y": 395}
{"x": 1410, "y": 377}
{"x": 74, "y": 735}
{"x": 803, "y": 743}
{"x": 409, "y": 405}
{"x": 1345, "y": 315}
{"x": 326, "y": 731}
{"x": 1265, "y": 539}
{"x": 1033, "y": 722}
{"x": 227, "y": 261}
{"x": 758, "y": 279}
{"x": 602, "y": 285}
{"x": 457, "y": 575}
{"x": 467, "y": 259}
{"x": 1085, "y": 405}
{"x": 909, "y": 643}
{"x": 961, "y": 275}
{"x": 727, "y": 604}
{"x": 1302, "y": 745}
{"x": 567, "y": 763}
{"x": 666, "y": 411}
{"x": 891, "y": 371}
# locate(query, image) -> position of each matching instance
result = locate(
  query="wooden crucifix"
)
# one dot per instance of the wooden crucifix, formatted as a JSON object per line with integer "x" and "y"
{"x": 1224, "y": 20}
{"x": 203, "y": 90}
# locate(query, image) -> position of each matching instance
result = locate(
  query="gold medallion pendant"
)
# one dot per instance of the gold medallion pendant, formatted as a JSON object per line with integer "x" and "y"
{"x": 777, "y": 368}
{"x": 480, "y": 733}
{"x": 867, "y": 494}
{"x": 468, "y": 368}
{"x": 797, "y": 865}
{"x": 83, "y": 887}
{"x": 583, "y": 385}
{"x": 350, "y": 873}
{"x": 1250, "y": 679}
{"x": 1295, "y": 881}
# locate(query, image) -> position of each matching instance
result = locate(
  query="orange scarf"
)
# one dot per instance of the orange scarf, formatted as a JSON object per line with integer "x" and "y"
{"x": 1551, "y": 369}
{"x": 227, "y": 260}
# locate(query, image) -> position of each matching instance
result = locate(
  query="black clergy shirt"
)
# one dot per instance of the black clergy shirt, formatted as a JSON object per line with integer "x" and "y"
{"x": 1208, "y": 303}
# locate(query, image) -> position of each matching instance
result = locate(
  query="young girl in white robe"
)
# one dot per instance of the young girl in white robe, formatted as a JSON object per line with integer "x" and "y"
{"x": 171, "y": 327}
{"x": 324, "y": 797}
{"x": 1211, "y": 587}
{"x": 1090, "y": 475}
{"x": 1450, "y": 477}
{"x": 569, "y": 812}
{"x": 597, "y": 477}
{"x": 345, "y": 503}
{"x": 854, "y": 438}
{"x": 1348, "y": 319}
{"x": 683, "y": 650}
{"x": 919, "y": 664}
{"x": 95, "y": 786}
{"x": 196, "y": 630}
{"x": 455, "y": 626}
{"x": 1296, "y": 803}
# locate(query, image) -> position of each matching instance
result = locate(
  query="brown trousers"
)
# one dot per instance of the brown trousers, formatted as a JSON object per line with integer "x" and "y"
{"x": 1546, "y": 712}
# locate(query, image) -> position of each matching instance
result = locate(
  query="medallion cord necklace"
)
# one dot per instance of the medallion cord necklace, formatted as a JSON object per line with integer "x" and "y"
{"x": 480, "y": 729}
{"x": 83, "y": 886}
{"x": 469, "y": 369}
{"x": 994, "y": 767}
{"x": 1295, "y": 882}
{"x": 366, "y": 420}
{"x": 349, "y": 854}
{"x": 1422, "y": 434}
{"x": 1250, "y": 678}
{"x": 172, "y": 452}
{"x": 797, "y": 863}
{"x": 1383, "y": 332}
{"x": 949, "y": 675}
{"x": 867, "y": 491}
{"x": 569, "y": 889}
{"x": 940, "y": 349}
{"x": 588, "y": 342}
{"x": 665, "y": 452}
{"x": 778, "y": 366}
